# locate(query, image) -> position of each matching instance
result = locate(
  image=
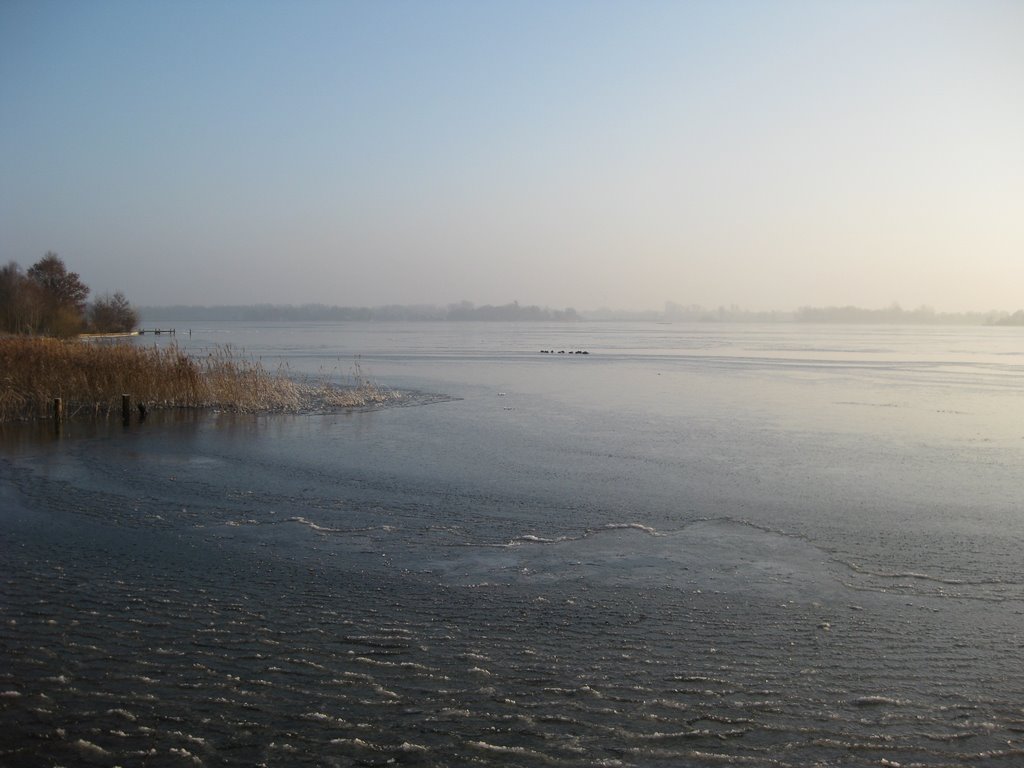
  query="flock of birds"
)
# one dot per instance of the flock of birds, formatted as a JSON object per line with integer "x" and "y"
{"x": 563, "y": 352}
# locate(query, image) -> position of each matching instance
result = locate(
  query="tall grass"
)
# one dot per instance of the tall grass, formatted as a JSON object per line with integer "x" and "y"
{"x": 90, "y": 378}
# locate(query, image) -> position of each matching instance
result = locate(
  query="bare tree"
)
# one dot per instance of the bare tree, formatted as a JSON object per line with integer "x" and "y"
{"x": 112, "y": 314}
{"x": 62, "y": 296}
{"x": 13, "y": 303}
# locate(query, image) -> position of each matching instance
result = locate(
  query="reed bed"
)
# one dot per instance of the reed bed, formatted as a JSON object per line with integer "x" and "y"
{"x": 91, "y": 378}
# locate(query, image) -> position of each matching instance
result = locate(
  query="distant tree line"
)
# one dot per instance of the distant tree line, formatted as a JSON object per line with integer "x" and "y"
{"x": 894, "y": 315}
{"x": 723, "y": 314}
{"x": 677, "y": 313}
{"x": 1017, "y": 318}
{"x": 324, "y": 313}
{"x": 467, "y": 311}
{"x": 49, "y": 300}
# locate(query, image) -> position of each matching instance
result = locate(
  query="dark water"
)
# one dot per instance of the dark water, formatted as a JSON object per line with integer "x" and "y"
{"x": 765, "y": 545}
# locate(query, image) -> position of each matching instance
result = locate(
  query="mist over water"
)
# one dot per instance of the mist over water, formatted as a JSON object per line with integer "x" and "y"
{"x": 694, "y": 545}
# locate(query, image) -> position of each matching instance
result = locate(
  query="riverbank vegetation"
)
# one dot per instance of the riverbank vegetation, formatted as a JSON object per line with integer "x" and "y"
{"x": 49, "y": 300}
{"x": 90, "y": 379}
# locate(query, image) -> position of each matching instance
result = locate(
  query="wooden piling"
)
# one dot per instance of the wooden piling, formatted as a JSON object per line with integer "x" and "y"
{"x": 126, "y": 408}
{"x": 58, "y": 409}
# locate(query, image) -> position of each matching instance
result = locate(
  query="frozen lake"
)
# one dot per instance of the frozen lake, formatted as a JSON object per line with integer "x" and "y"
{"x": 694, "y": 545}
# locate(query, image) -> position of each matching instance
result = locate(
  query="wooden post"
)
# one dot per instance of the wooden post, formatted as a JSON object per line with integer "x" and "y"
{"x": 126, "y": 408}
{"x": 58, "y": 409}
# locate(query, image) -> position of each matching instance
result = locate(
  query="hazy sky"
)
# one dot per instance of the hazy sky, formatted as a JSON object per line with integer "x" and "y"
{"x": 767, "y": 154}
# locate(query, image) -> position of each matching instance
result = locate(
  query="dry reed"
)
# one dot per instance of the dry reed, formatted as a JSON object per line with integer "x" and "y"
{"x": 90, "y": 378}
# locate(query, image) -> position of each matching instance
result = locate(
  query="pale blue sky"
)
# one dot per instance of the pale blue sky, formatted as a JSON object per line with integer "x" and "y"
{"x": 768, "y": 154}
